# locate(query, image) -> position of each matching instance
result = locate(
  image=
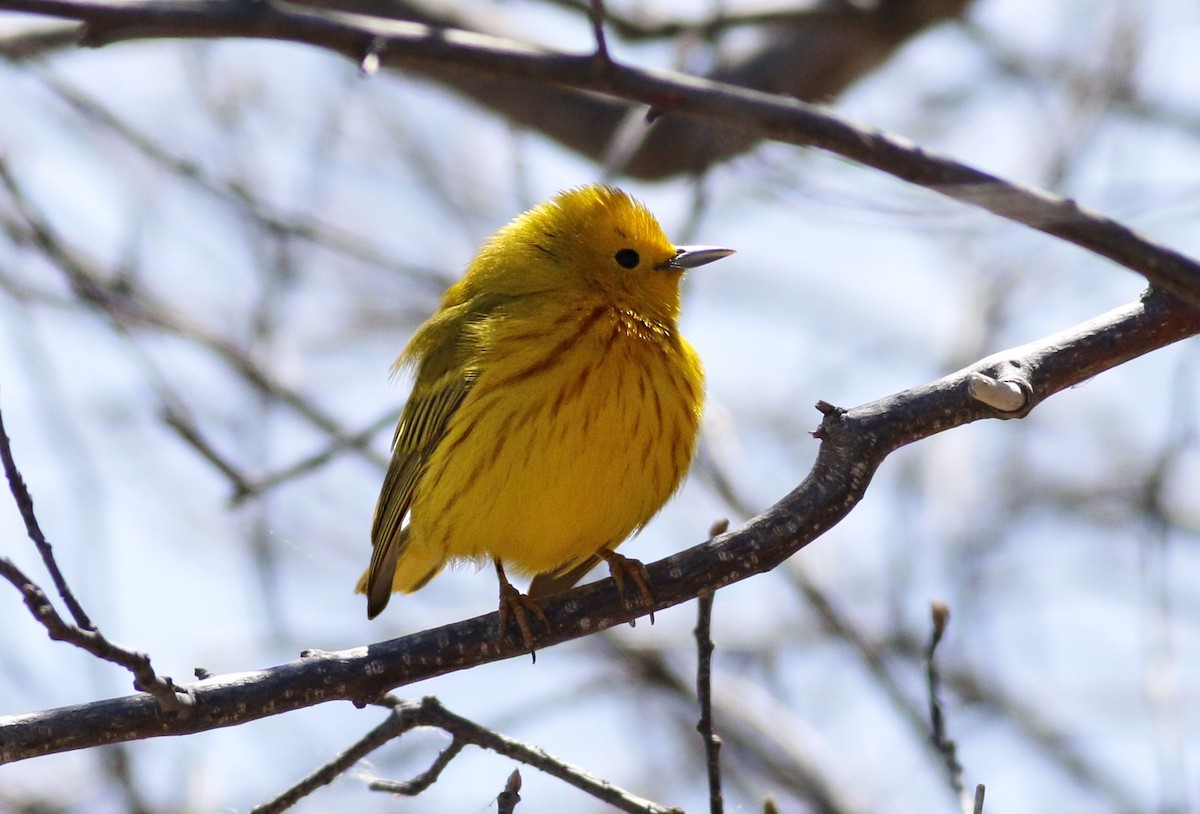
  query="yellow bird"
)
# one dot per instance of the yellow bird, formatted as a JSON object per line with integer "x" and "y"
{"x": 555, "y": 407}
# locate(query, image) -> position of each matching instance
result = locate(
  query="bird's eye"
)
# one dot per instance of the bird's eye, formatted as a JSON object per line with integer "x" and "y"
{"x": 627, "y": 258}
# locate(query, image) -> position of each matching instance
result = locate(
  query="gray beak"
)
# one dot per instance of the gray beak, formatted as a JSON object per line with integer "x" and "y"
{"x": 689, "y": 257}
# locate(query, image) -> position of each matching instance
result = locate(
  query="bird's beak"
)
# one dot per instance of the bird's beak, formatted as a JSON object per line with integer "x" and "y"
{"x": 689, "y": 257}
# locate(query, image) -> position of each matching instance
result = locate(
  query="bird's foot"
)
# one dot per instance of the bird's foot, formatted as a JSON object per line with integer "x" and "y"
{"x": 519, "y": 606}
{"x": 626, "y": 570}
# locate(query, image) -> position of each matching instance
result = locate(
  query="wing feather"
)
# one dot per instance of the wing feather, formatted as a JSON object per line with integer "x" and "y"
{"x": 445, "y": 352}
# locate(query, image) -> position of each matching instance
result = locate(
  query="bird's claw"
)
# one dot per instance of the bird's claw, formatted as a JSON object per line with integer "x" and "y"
{"x": 625, "y": 570}
{"x": 519, "y": 606}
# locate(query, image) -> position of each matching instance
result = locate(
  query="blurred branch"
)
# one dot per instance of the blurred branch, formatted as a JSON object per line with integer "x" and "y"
{"x": 128, "y": 308}
{"x": 972, "y": 690}
{"x": 636, "y": 27}
{"x": 854, "y": 443}
{"x": 407, "y": 715}
{"x": 252, "y": 487}
{"x": 1124, "y": 96}
{"x": 38, "y": 41}
{"x": 403, "y": 45}
{"x": 813, "y": 53}
{"x": 191, "y": 435}
{"x": 937, "y": 718}
{"x": 869, "y": 654}
{"x": 756, "y": 737}
{"x": 236, "y": 195}
{"x": 977, "y": 690}
{"x": 84, "y": 635}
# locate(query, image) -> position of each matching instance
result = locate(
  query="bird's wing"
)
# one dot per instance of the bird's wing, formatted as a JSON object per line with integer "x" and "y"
{"x": 421, "y": 427}
{"x": 444, "y": 351}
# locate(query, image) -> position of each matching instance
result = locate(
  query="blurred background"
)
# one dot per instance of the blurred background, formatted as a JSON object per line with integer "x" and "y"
{"x": 211, "y": 253}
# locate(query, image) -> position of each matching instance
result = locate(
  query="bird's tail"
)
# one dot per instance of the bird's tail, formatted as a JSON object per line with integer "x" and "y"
{"x": 396, "y": 567}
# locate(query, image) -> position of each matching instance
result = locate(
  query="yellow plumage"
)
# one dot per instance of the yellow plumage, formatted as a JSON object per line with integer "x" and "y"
{"x": 556, "y": 406}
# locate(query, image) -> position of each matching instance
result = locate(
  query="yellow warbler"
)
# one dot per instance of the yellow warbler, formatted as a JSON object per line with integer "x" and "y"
{"x": 555, "y": 407}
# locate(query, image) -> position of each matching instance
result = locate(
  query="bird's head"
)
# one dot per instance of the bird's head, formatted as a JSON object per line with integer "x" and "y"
{"x": 595, "y": 242}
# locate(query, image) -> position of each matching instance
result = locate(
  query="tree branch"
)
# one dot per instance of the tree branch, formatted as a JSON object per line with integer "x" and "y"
{"x": 854, "y": 443}
{"x": 813, "y": 53}
{"x": 403, "y": 44}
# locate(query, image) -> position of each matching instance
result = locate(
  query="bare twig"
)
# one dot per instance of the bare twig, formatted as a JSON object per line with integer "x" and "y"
{"x": 84, "y": 635}
{"x": 411, "y": 788}
{"x": 24, "y": 501}
{"x": 1031, "y": 723}
{"x": 506, "y": 801}
{"x": 869, "y": 654}
{"x": 977, "y": 808}
{"x": 434, "y": 714}
{"x": 704, "y": 652}
{"x": 402, "y": 719}
{"x": 408, "y": 715}
{"x": 596, "y": 12}
{"x": 712, "y": 741}
{"x": 940, "y": 614}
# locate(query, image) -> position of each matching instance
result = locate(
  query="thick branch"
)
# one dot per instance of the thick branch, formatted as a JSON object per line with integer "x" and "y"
{"x": 812, "y": 53}
{"x": 854, "y": 443}
{"x": 401, "y": 44}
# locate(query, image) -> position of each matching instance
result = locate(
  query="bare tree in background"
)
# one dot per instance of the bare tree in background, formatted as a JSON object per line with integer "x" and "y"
{"x": 211, "y": 249}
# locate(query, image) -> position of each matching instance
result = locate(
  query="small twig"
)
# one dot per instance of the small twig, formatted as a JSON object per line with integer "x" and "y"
{"x": 712, "y": 741}
{"x": 403, "y": 718}
{"x": 978, "y": 808}
{"x": 407, "y": 715}
{"x": 507, "y": 800}
{"x": 411, "y": 788}
{"x": 704, "y": 651}
{"x": 434, "y": 714}
{"x": 84, "y": 634}
{"x": 596, "y": 13}
{"x": 20, "y": 493}
{"x": 163, "y": 689}
{"x": 940, "y": 614}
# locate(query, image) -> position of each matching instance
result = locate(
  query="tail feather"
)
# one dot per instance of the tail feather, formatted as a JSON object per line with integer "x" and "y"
{"x": 554, "y": 582}
{"x": 396, "y": 567}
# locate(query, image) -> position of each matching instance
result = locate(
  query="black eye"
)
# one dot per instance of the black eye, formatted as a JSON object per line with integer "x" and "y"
{"x": 627, "y": 258}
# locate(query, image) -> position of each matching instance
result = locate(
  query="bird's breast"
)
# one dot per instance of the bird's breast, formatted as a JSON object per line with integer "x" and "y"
{"x": 572, "y": 437}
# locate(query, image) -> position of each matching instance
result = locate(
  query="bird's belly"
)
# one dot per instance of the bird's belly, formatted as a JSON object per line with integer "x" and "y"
{"x": 542, "y": 470}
